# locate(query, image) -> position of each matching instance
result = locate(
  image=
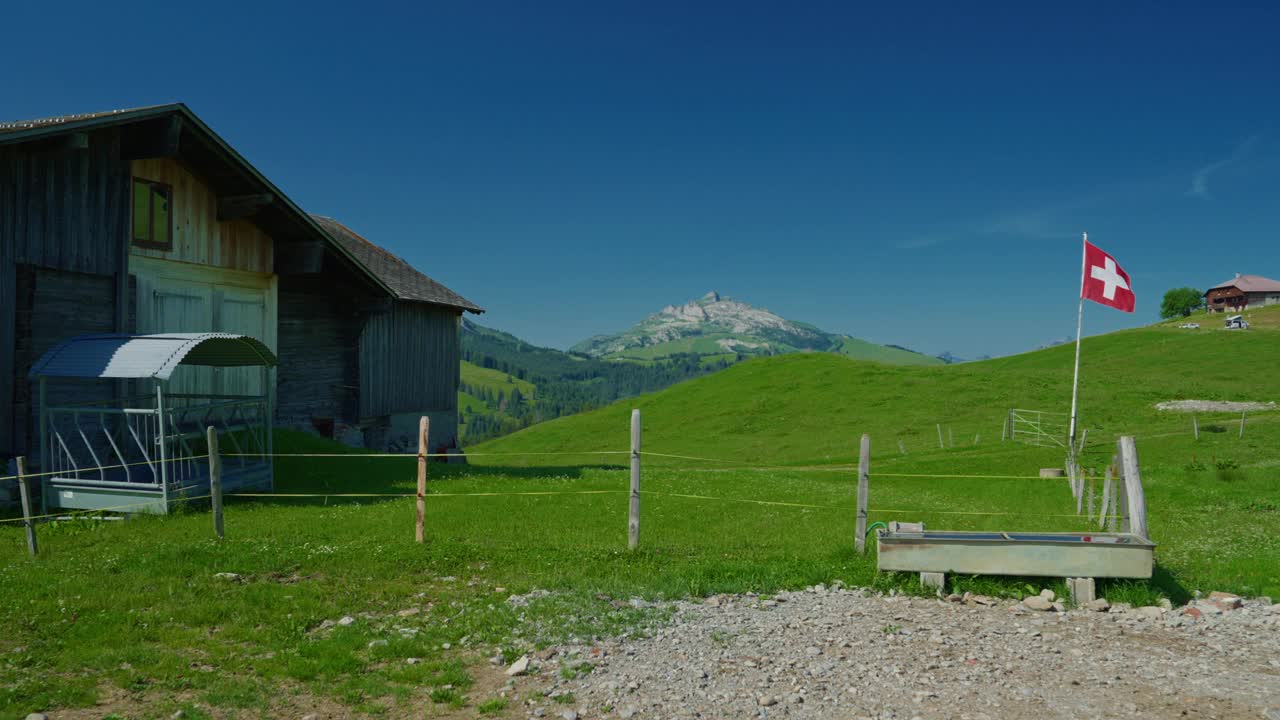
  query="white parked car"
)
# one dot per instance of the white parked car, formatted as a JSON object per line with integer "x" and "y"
{"x": 1190, "y": 326}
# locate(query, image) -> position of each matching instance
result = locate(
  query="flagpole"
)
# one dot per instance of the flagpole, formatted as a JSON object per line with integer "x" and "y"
{"x": 1075, "y": 383}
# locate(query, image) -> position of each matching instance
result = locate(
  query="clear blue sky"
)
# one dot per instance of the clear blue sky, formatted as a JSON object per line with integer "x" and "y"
{"x": 908, "y": 174}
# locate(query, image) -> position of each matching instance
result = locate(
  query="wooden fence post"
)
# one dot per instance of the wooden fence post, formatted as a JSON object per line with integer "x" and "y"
{"x": 1106, "y": 499}
{"x": 1242, "y": 414}
{"x": 1195, "y": 426}
{"x": 215, "y": 479}
{"x": 1004, "y": 429}
{"x": 1135, "y": 501}
{"x": 24, "y": 493}
{"x": 424, "y": 432}
{"x": 1089, "y": 511}
{"x": 1119, "y": 513}
{"x": 633, "y": 516}
{"x": 902, "y": 448}
{"x": 940, "y": 445}
{"x": 864, "y": 470}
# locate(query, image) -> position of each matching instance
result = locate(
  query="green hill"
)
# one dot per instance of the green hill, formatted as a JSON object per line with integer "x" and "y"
{"x": 808, "y": 408}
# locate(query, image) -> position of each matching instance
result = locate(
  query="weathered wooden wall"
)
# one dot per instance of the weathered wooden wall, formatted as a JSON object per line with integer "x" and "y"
{"x": 198, "y": 237}
{"x": 319, "y": 337}
{"x": 409, "y": 360}
{"x": 65, "y": 209}
{"x": 61, "y": 209}
{"x": 51, "y": 306}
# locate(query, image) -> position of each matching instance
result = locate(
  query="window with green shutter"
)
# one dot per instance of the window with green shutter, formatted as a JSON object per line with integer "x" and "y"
{"x": 152, "y": 214}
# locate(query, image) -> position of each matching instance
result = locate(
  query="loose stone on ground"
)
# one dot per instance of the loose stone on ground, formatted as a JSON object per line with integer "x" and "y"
{"x": 849, "y": 653}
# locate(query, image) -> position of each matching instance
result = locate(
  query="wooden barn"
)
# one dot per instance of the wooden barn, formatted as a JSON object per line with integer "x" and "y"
{"x": 409, "y": 356}
{"x": 145, "y": 221}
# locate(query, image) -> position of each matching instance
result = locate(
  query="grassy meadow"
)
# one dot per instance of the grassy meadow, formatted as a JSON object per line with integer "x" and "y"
{"x": 131, "y": 618}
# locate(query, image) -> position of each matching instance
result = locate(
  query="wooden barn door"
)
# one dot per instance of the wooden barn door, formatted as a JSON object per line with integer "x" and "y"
{"x": 243, "y": 312}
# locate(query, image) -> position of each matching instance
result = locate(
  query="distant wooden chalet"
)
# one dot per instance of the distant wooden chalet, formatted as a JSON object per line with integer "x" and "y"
{"x": 1242, "y": 292}
{"x": 145, "y": 221}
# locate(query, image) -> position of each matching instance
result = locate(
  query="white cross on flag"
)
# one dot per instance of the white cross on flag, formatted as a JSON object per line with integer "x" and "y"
{"x": 1104, "y": 281}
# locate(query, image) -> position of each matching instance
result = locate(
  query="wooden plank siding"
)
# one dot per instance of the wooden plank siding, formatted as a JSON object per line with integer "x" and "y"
{"x": 62, "y": 240}
{"x": 409, "y": 360}
{"x": 52, "y": 305}
{"x": 198, "y": 237}
{"x": 60, "y": 208}
{"x": 319, "y": 336}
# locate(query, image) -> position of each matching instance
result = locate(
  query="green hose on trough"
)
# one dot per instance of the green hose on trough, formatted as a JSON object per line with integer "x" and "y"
{"x": 873, "y": 525}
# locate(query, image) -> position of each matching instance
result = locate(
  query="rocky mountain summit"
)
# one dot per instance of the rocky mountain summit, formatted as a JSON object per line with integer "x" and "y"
{"x": 718, "y": 324}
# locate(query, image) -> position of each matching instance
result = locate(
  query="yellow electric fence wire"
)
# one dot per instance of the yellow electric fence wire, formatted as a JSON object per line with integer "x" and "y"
{"x": 102, "y": 467}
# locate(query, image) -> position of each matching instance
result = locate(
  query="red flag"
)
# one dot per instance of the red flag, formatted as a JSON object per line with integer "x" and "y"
{"x": 1104, "y": 281}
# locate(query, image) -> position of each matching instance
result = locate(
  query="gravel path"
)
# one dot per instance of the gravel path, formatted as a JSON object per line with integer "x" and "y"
{"x": 1213, "y": 406}
{"x": 835, "y": 653}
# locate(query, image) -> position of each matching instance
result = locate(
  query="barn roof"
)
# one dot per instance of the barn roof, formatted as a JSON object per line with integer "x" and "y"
{"x": 148, "y": 356}
{"x": 199, "y": 147}
{"x": 405, "y": 281}
{"x": 1249, "y": 283}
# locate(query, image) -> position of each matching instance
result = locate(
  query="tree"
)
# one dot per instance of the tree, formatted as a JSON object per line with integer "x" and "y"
{"x": 1180, "y": 302}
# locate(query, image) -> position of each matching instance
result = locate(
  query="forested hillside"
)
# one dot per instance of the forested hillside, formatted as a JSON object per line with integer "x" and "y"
{"x": 509, "y": 384}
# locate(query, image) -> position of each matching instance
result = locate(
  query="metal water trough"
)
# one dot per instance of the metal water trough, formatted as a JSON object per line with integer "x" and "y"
{"x": 1069, "y": 555}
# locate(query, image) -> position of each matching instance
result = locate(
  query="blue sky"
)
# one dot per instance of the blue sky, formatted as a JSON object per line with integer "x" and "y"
{"x": 917, "y": 174}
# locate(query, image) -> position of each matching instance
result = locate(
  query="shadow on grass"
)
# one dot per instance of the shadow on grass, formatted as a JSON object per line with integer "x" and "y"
{"x": 1167, "y": 582}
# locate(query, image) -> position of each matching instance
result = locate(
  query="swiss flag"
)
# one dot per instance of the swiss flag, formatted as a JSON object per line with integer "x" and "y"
{"x": 1104, "y": 281}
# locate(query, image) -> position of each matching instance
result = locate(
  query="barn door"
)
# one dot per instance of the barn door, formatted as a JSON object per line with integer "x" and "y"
{"x": 183, "y": 308}
{"x": 243, "y": 312}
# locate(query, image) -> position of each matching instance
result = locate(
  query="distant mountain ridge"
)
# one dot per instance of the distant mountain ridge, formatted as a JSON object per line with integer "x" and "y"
{"x": 719, "y": 325}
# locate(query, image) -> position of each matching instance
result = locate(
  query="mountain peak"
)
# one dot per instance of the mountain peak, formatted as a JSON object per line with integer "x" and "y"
{"x": 719, "y": 325}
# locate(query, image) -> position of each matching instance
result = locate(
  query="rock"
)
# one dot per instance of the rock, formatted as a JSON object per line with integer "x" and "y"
{"x": 955, "y": 598}
{"x": 569, "y": 715}
{"x": 628, "y": 712}
{"x": 228, "y": 576}
{"x": 346, "y": 621}
{"x": 37, "y": 716}
{"x": 311, "y": 716}
{"x": 408, "y": 611}
{"x": 1047, "y": 594}
{"x": 519, "y": 667}
{"x": 1099, "y": 605}
{"x": 412, "y": 661}
{"x": 1059, "y": 606}
{"x": 539, "y": 712}
{"x": 984, "y": 600}
{"x": 1165, "y": 604}
{"x": 1192, "y": 612}
{"x": 177, "y": 715}
{"x": 767, "y": 701}
{"x": 1150, "y": 612}
{"x": 1226, "y": 601}
{"x": 378, "y": 643}
{"x": 1037, "y": 602}
{"x": 1120, "y": 608}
